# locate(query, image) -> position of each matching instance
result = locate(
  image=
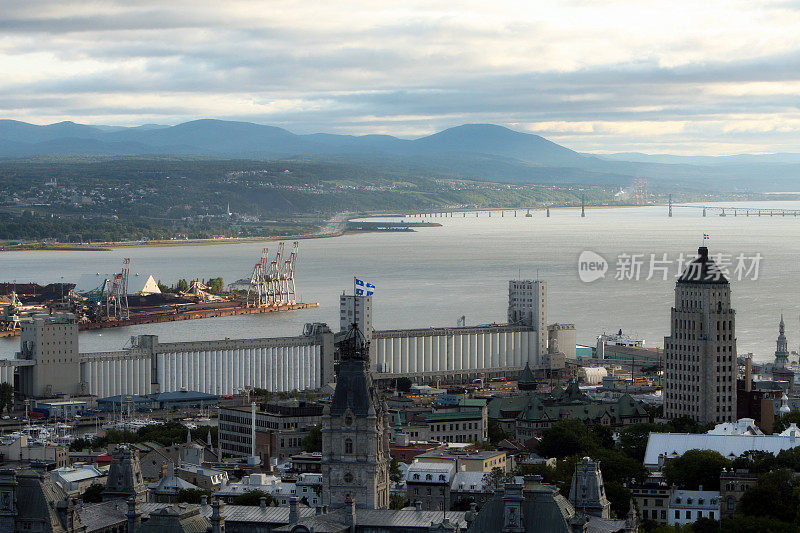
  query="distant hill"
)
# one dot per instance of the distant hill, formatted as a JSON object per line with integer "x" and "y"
{"x": 477, "y": 151}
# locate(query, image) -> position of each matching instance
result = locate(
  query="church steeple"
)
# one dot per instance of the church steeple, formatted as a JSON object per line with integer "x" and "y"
{"x": 355, "y": 440}
{"x": 782, "y": 351}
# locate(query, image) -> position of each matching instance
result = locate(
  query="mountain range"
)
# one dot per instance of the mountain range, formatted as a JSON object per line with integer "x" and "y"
{"x": 480, "y": 151}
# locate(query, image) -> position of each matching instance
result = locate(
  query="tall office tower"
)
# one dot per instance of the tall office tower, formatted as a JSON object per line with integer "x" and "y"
{"x": 700, "y": 353}
{"x": 527, "y": 306}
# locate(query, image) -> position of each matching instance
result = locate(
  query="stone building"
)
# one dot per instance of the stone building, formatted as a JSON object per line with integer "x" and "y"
{"x": 125, "y": 476}
{"x": 587, "y": 492}
{"x": 780, "y": 368}
{"x": 700, "y": 364}
{"x": 355, "y": 436}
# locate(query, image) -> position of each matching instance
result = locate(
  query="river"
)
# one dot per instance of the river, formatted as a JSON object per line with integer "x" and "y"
{"x": 434, "y": 275}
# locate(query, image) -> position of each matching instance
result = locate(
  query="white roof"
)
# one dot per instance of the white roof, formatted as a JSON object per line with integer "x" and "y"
{"x": 694, "y": 499}
{"x": 468, "y": 481}
{"x": 142, "y": 284}
{"x": 743, "y": 426}
{"x": 673, "y": 445}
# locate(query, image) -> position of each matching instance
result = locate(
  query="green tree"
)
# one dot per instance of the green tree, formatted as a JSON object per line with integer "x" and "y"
{"x": 618, "y": 467}
{"x": 6, "y": 397}
{"x": 403, "y": 384}
{"x": 565, "y": 438}
{"x": 216, "y": 286}
{"x": 774, "y": 496}
{"x": 619, "y": 496}
{"x": 495, "y": 433}
{"x": 394, "y": 471}
{"x": 313, "y": 441}
{"x": 93, "y": 493}
{"x": 756, "y": 524}
{"x": 396, "y": 502}
{"x": 783, "y": 421}
{"x": 603, "y": 435}
{"x": 253, "y": 497}
{"x": 633, "y": 439}
{"x": 182, "y": 285}
{"x": 495, "y": 478}
{"x": 695, "y": 468}
{"x": 192, "y": 495}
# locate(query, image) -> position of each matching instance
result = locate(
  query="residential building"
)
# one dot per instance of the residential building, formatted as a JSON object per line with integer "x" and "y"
{"x": 700, "y": 365}
{"x": 652, "y": 498}
{"x": 687, "y": 506}
{"x": 464, "y": 426}
{"x": 280, "y": 428}
{"x": 430, "y": 483}
{"x": 22, "y": 450}
{"x": 202, "y": 476}
{"x": 76, "y": 479}
{"x": 466, "y": 460}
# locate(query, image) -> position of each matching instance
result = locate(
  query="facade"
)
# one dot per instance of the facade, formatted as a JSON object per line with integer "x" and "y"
{"x": 355, "y": 436}
{"x": 687, "y": 506}
{"x": 780, "y": 368}
{"x": 356, "y": 310}
{"x": 467, "y": 461}
{"x": 587, "y": 492}
{"x": 562, "y": 339}
{"x": 429, "y": 483}
{"x": 461, "y": 426}
{"x": 652, "y": 498}
{"x": 280, "y": 428}
{"x": 51, "y": 343}
{"x": 700, "y": 364}
{"x": 125, "y": 476}
{"x": 527, "y": 306}
{"x": 732, "y": 486}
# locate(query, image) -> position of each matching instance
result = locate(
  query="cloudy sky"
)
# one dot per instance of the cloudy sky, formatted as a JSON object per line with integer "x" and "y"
{"x": 699, "y": 77}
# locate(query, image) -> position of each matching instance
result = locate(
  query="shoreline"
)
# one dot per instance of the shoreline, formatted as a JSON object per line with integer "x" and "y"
{"x": 334, "y": 227}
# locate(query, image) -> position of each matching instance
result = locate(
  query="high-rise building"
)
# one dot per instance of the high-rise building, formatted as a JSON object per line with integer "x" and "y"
{"x": 700, "y": 364}
{"x": 355, "y": 436}
{"x": 356, "y": 310}
{"x": 527, "y": 306}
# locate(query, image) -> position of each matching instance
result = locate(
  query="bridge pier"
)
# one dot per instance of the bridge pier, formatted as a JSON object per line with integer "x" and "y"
{"x": 548, "y": 212}
{"x": 670, "y": 206}
{"x": 704, "y": 211}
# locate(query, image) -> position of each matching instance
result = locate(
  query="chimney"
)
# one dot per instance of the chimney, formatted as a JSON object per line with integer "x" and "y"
{"x": 133, "y": 515}
{"x": 748, "y": 374}
{"x": 418, "y": 505}
{"x": 350, "y": 513}
{"x": 203, "y": 500}
{"x": 293, "y": 509}
{"x": 217, "y": 523}
{"x": 262, "y": 502}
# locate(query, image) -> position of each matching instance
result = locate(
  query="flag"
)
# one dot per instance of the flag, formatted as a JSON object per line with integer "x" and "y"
{"x": 362, "y": 287}
{"x": 706, "y": 236}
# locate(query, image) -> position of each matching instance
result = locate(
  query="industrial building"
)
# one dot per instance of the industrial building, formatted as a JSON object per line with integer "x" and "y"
{"x": 49, "y": 363}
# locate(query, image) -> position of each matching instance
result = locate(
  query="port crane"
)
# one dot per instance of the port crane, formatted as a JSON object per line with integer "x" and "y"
{"x": 272, "y": 282}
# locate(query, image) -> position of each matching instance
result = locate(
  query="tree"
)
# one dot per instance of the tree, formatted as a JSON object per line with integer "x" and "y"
{"x": 93, "y": 493}
{"x": 619, "y": 496}
{"x": 216, "y": 286}
{"x": 6, "y": 397}
{"x": 774, "y": 496}
{"x": 182, "y": 285}
{"x": 633, "y": 439}
{"x": 396, "y": 502}
{"x": 253, "y": 497}
{"x": 495, "y": 433}
{"x": 495, "y": 478}
{"x": 695, "y": 468}
{"x": 756, "y": 524}
{"x": 603, "y": 435}
{"x": 783, "y": 421}
{"x": 565, "y": 438}
{"x": 618, "y": 467}
{"x": 403, "y": 384}
{"x": 192, "y": 495}
{"x": 394, "y": 471}
{"x": 313, "y": 441}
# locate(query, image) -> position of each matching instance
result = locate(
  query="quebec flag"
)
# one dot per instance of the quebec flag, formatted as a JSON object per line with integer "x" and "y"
{"x": 363, "y": 287}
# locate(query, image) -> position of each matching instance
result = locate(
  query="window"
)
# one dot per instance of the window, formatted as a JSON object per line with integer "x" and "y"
{"x": 348, "y": 445}
{"x": 348, "y": 478}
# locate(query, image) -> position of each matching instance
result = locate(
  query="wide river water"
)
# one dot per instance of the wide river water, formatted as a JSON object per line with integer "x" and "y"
{"x": 433, "y": 276}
